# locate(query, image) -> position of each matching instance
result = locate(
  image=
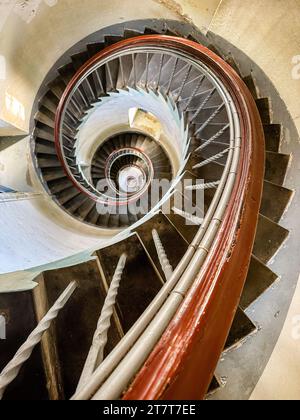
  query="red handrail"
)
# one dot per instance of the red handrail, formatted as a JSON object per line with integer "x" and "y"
{"x": 183, "y": 363}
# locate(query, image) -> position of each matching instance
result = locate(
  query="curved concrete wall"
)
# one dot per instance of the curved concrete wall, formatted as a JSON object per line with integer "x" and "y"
{"x": 30, "y": 43}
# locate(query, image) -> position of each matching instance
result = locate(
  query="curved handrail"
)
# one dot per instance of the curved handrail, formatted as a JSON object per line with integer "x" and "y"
{"x": 183, "y": 362}
{"x": 194, "y": 340}
{"x": 79, "y": 76}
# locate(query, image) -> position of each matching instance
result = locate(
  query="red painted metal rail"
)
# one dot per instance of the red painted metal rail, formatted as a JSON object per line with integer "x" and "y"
{"x": 183, "y": 362}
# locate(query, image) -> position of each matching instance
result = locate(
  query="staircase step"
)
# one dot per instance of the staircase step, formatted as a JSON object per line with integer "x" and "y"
{"x": 214, "y": 386}
{"x": 112, "y": 39}
{"x": 59, "y": 185}
{"x": 269, "y": 238}
{"x": 50, "y": 105}
{"x": 263, "y": 106}
{"x": 95, "y": 48}
{"x": 168, "y": 236}
{"x": 75, "y": 203}
{"x": 67, "y": 72}
{"x": 85, "y": 208}
{"x": 45, "y": 119}
{"x": 276, "y": 167}
{"x": 249, "y": 82}
{"x": 241, "y": 328}
{"x": 57, "y": 87}
{"x": 30, "y": 384}
{"x": 273, "y": 136}
{"x": 44, "y": 134}
{"x": 259, "y": 279}
{"x": 275, "y": 201}
{"x": 131, "y": 33}
{"x": 92, "y": 217}
{"x": 187, "y": 231}
{"x": 150, "y": 31}
{"x": 79, "y": 59}
{"x": 231, "y": 61}
{"x": 77, "y": 322}
{"x": 140, "y": 282}
{"x": 67, "y": 195}
{"x": 48, "y": 161}
{"x": 214, "y": 49}
{"x": 45, "y": 147}
{"x": 52, "y": 174}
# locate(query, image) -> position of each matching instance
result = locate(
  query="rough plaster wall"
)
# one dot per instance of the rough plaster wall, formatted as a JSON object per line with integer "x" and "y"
{"x": 30, "y": 49}
{"x": 198, "y": 12}
{"x": 281, "y": 379}
{"x": 268, "y": 32}
{"x": 14, "y": 166}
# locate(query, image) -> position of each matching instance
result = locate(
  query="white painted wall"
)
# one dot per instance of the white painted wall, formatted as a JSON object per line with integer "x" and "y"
{"x": 14, "y": 172}
{"x": 31, "y": 42}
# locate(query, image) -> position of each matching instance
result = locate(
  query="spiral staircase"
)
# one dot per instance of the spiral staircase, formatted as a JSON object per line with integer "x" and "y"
{"x": 127, "y": 111}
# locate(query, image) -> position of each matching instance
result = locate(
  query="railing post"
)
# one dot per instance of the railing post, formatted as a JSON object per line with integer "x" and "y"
{"x": 11, "y": 371}
{"x": 96, "y": 353}
{"x": 163, "y": 258}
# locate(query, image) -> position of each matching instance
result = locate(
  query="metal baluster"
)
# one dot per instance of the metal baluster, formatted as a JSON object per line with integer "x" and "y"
{"x": 194, "y": 93}
{"x": 122, "y": 72}
{"x": 147, "y": 71}
{"x": 134, "y": 69}
{"x": 213, "y": 115}
{"x": 96, "y": 353}
{"x": 172, "y": 75}
{"x": 71, "y": 116}
{"x": 211, "y": 159}
{"x": 99, "y": 80}
{"x": 183, "y": 83}
{"x": 82, "y": 96}
{"x": 110, "y": 76}
{"x": 76, "y": 106}
{"x": 161, "y": 63}
{"x": 212, "y": 139}
{"x": 207, "y": 186}
{"x": 187, "y": 216}
{"x": 163, "y": 258}
{"x": 212, "y": 91}
{"x": 11, "y": 371}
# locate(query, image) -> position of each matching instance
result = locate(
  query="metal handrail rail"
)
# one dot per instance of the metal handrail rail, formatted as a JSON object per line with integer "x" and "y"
{"x": 100, "y": 59}
{"x": 191, "y": 345}
{"x": 203, "y": 245}
{"x": 86, "y": 70}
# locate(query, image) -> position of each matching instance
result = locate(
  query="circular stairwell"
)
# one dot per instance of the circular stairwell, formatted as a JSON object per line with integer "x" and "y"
{"x": 186, "y": 99}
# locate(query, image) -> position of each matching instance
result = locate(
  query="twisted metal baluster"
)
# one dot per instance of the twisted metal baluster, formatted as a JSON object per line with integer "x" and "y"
{"x": 96, "y": 353}
{"x": 212, "y": 159}
{"x": 183, "y": 84}
{"x": 163, "y": 258}
{"x": 212, "y": 139}
{"x": 194, "y": 93}
{"x": 187, "y": 216}
{"x": 161, "y": 64}
{"x": 208, "y": 186}
{"x": 211, "y": 92}
{"x": 209, "y": 120}
{"x": 172, "y": 75}
{"x": 11, "y": 371}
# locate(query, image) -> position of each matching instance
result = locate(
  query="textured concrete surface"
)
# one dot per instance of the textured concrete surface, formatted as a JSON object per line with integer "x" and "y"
{"x": 281, "y": 378}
